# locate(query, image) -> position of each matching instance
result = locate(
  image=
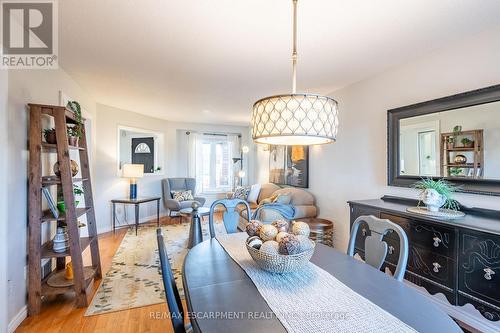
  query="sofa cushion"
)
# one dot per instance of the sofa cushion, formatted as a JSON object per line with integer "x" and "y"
{"x": 283, "y": 198}
{"x": 182, "y": 195}
{"x": 241, "y": 192}
{"x": 267, "y": 190}
{"x": 253, "y": 196}
{"x": 299, "y": 196}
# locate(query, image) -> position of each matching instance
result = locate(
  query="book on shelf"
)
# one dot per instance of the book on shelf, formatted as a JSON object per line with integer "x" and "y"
{"x": 50, "y": 202}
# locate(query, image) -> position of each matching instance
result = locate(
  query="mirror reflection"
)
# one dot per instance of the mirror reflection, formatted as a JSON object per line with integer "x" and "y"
{"x": 460, "y": 143}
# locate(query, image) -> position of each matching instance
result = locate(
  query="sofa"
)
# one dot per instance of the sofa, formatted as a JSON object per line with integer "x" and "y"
{"x": 178, "y": 184}
{"x": 302, "y": 200}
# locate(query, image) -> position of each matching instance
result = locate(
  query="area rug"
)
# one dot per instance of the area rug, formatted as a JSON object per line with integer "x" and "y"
{"x": 134, "y": 278}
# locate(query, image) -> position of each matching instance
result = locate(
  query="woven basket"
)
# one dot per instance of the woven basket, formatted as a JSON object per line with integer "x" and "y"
{"x": 278, "y": 263}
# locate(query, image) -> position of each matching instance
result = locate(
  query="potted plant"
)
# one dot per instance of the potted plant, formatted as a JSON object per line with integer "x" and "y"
{"x": 73, "y": 135}
{"x": 436, "y": 194}
{"x": 50, "y": 135}
{"x": 77, "y": 110}
{"x": 77, "y": 191}
{"x": 468, "y": 143}
{"x": 450, "y": 142}
{"x": 455, "y": 172}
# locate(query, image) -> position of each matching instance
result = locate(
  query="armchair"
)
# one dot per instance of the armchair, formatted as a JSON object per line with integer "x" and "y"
{"x": 178, "y": 184}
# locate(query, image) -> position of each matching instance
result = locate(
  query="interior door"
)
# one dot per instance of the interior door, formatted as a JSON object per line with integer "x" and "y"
{"x": 143, "y": 152}
{"x": 427, "y": 153}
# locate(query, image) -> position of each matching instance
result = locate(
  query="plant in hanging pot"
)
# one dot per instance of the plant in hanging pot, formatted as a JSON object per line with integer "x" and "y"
{"x": 73, "y": 135}
{"x": 49, "y": 135}
{"x": 436, "y": 194}
{"x": 468, "y": 143}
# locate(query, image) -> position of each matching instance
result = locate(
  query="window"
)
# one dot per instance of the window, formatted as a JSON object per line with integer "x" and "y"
{"x": 211, "y": 162}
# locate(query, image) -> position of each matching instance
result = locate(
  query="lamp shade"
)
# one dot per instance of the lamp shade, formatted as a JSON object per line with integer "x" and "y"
{"x": 295, "y": 119}
{"x": 133, "y": 170}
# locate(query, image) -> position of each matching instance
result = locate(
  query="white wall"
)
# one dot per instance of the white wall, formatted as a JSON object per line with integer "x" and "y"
{"x": 27, "y": 86}
{"x": 355, "y": 167}
{"x": 4, "y": 320}
{"x": 108, "y": 185}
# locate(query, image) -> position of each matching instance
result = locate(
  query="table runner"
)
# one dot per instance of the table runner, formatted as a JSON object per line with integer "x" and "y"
{"x": 312, "y": 300}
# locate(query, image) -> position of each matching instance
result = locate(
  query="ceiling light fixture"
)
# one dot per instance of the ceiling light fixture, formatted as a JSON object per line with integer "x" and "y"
{"x": 296, "y": 118}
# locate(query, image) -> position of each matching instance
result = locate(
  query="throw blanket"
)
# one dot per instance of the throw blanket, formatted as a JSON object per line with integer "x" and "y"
{"x": 287, "y": 211}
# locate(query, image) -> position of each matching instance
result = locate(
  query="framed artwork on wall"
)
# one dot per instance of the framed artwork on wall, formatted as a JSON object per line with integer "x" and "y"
{"x": 289, "y": 165}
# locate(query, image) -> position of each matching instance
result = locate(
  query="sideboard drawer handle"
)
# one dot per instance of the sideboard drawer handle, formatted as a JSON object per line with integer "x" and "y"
{"x": 391, "y": 249}
{"x": 488, "y": 272}
{"x": 436, "y": 240}
{"x": 437, "y": 266}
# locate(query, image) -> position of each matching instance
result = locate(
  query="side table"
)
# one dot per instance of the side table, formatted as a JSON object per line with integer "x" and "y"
{"x": 321, "y": 230}
{"x": 136, "y": 203}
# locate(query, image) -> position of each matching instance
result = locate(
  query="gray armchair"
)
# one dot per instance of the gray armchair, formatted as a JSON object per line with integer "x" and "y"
{"x": 178, "y": 184}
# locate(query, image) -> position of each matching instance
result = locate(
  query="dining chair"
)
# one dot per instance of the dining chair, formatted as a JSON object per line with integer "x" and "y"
{"x": 171, "y": 292}
{"x": 230, "y": 217}
{"x": 375, "y": 247}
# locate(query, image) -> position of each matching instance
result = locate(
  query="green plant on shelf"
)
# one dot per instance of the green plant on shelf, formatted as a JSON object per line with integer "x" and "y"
{"x": 467, "y": 142}
{"x": 441, "y": 186}
{"x": 455, "y": 172}
{"x": 77, "y": 110}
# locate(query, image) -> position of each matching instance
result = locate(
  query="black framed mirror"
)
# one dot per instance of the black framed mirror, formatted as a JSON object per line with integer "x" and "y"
{"x": 455, "y": 137}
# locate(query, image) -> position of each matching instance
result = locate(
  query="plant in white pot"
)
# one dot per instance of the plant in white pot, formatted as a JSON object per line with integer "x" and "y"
{"x": 436, "y": 194}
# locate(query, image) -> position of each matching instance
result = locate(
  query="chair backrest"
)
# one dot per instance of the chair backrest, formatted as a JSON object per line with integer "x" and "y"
{"x": 177, "y": 184}
{"x": 171, "y": 293}
{"x": 375, "y": 247}
{"x": 230, "y": 217}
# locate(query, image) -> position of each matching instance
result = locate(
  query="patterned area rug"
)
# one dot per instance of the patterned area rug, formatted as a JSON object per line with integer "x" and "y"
{"x": 134, "y": 279}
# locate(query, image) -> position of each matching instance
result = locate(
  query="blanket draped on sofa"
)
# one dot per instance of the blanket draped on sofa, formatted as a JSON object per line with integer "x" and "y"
{"x": 288, "y": 211}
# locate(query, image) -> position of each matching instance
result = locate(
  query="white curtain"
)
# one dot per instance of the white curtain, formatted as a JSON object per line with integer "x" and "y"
{"x": 203, "y": 167}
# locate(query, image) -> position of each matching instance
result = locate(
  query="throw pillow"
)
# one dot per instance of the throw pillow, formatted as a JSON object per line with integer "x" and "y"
{"x": 283, "y": 198}
{"x": 268, "y": 200}
{"x": 182, "y": 195}
{"x": 254, "y": 193}
{"x": 241, "y": 192}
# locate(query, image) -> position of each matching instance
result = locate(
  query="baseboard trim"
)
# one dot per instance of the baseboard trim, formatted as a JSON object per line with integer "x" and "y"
{"x": 18, "y": 319}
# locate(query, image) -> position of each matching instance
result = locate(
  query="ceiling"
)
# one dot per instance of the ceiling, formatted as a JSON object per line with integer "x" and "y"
{"x": 209, "y": 60}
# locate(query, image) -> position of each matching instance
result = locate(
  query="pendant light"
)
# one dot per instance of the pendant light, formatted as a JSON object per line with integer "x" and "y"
{"x": 296, "y": 118}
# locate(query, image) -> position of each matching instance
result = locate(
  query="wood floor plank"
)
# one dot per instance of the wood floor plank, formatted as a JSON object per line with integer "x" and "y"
{"x": 59, "y": 314}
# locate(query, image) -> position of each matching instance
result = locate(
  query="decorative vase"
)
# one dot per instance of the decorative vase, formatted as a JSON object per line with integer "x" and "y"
{"x": 50, "y": 137}
{"x": 460, "y": 159}
{"x": 73, "y": 141}
{"x": 450, "y": 145}
{"x": 74, "y": 169}
{"x": 432, "y": 199}
{"x": 60, "y": 241}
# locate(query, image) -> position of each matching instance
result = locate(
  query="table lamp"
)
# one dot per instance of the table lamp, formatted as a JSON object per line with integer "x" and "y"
{"x": 133, "y": 171}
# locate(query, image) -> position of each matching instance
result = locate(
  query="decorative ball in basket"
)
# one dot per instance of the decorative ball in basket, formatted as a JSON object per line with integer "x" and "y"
{"x": 279, "y": 247}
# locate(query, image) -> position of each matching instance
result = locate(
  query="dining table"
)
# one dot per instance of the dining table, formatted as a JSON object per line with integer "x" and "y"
{"x": 221, "y": 297}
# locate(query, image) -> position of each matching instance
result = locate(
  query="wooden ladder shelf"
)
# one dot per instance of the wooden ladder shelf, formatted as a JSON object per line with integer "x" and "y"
{"x": 38, "y": 287}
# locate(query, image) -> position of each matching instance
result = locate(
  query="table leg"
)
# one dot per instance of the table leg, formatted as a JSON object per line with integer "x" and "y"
{"x": 136, "y": 218}
{"x": 114, "y": 216}
{"x": 158, "y": 213}
{"x": 195, "y": 233}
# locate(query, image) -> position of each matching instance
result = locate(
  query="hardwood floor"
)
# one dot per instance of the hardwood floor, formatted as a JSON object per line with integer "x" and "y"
{"x": 59, "y": 314}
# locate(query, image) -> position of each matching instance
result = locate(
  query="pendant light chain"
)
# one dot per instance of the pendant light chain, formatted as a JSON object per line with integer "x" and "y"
{"x": 294, "y": 51}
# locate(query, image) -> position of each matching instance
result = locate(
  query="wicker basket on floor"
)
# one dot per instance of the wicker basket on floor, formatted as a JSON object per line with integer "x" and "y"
{"x": 278, "y": 263}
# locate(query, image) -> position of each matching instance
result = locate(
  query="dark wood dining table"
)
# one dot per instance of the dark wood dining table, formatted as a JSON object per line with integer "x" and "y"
{"x": 222, "y": 298}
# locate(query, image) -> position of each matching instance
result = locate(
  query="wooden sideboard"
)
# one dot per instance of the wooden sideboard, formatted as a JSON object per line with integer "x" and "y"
{"x": 455, "y": 262}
